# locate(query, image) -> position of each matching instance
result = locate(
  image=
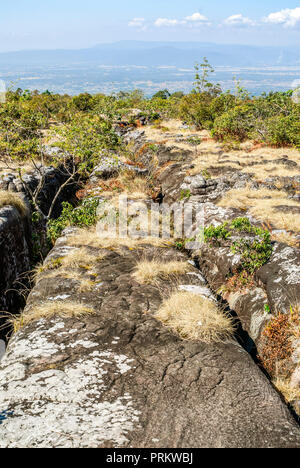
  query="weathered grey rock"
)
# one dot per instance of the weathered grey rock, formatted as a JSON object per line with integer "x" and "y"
{"x": 194, "y": 184}
{"x": 121, "y": 379}
{"x": 108, "y": 167}
{"x": 134, "y": 137}
{"x": 277, "y": 282}
{"x": 51, "y": 151}
{"x": 281, "y": 277}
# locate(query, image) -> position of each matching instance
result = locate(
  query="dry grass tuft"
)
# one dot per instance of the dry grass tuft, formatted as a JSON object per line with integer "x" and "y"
{"x": 248, "y": 162}
{"x": 127, "y": 183}
{"x": 280, "y": 339}
{"x": 262, "y": 205}
{"x": 291, "y": 394}
{"x": 106, "y": 241}
{"x": 80, "y": 258}
{"x": 73, "y": 266}
{"x": 136, "y": 187}
{"x": 48, "y": 310}
{"x": 194, "y": 317}
{"x": 150, "y": 271}
{"x": 13, "y": 199}
{"x": 285, "y": 238}
{"x": 75, "y": 259}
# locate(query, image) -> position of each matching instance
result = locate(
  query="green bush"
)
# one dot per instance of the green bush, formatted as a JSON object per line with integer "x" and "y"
{"x": 283, "y": 130}
{"x": 254, "y": 247}
{"x": 84, "y": 215}
{"x": 236, "y": 124}
{"x": 195, "y": 110}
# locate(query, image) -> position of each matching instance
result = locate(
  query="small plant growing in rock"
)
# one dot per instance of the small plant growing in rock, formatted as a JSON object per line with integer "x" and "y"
{"x": 254, "y": 250}
{"x": 154, "y": 148}
{"x": 185, "y": 195}
{"x": 254, "y": 253}
{"x": 217, "y": 233}
{"x": 195, "y": 141}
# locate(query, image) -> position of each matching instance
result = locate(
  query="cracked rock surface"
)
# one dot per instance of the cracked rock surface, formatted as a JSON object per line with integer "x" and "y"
{"x": 120, "y": 378}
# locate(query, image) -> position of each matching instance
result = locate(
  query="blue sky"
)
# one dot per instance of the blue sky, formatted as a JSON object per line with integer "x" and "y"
{"x": 46, "y": 24}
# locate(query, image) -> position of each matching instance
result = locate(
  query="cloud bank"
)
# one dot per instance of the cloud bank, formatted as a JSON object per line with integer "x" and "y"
{"x": 289, "y": 18}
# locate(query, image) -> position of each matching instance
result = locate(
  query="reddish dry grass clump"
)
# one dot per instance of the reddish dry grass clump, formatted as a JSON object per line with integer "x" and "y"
{"x": 277, "y": 348}
{"x": 240, "y": 281}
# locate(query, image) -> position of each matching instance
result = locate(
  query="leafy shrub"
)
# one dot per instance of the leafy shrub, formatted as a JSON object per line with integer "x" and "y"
{"x": 84, "y": 215}
{"x": 254, "y": 250}
{"x": 83, "y": 102}
{"x": 236, "y": 124}
{"x": 195, "y": 110}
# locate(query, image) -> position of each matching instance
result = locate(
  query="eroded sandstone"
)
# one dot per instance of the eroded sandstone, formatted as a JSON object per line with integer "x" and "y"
{"x": 120, "y": 378}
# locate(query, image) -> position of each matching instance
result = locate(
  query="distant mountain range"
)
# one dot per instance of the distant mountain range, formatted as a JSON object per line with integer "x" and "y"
{"x": 153, "y": 54}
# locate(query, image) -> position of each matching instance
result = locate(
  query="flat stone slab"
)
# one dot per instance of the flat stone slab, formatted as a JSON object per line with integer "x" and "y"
{"x": 120, "y": 378}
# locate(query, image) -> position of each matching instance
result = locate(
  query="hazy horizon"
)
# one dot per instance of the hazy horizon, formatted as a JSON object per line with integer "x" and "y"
{"x": 70, "y": 46}
{"x": 73, "y": 24}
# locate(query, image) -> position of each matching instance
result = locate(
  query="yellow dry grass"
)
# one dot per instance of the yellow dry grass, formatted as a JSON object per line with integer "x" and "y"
{"x": 194, "y": 317}
{"x": 134, "y": 185}
{"x": 285, "y": 238}
{"x": 13, "y": 199}
{"x": 291, "y": 394}
{"x": 263, "y": 172}
{"x": 247, "y": 162}
{"x": 25, "y": 167}
{"x": 80, "y": 258}
{"x": 48, "y": 310}
{"x": 262, "y": 205}
{"x": 208, "y": 160}
{"x": 72, "y": 266}
{"x": 75, "y": 259}
{"x": 151, "y": 271}
{"x": 168, "y": 132}
{"x": 84, "y": 284}
{"x": 103, "y": 240}
{"x": 246, "y": 159}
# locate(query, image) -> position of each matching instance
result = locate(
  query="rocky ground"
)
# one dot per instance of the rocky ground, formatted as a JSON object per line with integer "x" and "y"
{"x": 99, "y": 359}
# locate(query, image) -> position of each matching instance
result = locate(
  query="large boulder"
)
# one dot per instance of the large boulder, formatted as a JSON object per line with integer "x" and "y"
{"x": 281, "y": 277}
{"x": 119, "y": 378}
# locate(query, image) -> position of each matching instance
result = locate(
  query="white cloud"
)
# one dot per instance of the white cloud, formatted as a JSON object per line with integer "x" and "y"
{"x": 287, "y": 17}
{"x": 167, "y": 22}
{"x": 195, "y": 19}
{"x": 137, "y": 23}
{"x": 239, "y": 20}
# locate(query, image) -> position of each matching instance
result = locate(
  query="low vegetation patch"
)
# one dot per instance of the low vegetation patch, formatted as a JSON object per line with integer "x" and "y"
{"x": 82, "y": 216}
{"x": 290, "y": 393}
{"x": 279, "y": 339}
{"x": 194, "y": 318}
{"x": 48, "y": 310}
{"x": 262, "y": 204}
{"x": 103, "y": 240}
{"x": 251, "y": 243}
{"x": 12, "y": 199}
{"x": 78, "y": 265}
{"x": 154, "y": 270}
{"x": 77, "y": 258}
